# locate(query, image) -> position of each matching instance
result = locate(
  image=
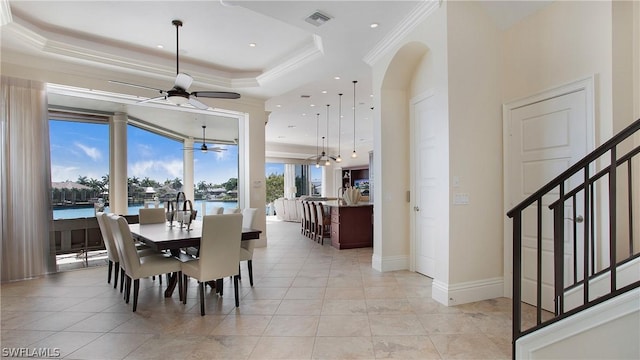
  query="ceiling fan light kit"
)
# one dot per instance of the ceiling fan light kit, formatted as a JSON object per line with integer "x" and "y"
{"x": 178, "y": 95}
{"x": 354, "y": 154}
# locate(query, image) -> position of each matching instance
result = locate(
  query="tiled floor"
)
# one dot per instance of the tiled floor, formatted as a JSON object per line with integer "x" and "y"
{"x": 308, "y": 302}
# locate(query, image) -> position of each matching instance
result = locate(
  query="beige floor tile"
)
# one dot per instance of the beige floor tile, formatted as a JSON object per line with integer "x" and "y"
{"x": 344, "y": 325}
{"x": 448, "y": 324}
{"x": 345, "y": 282}
{"x": 300, "y": 307}
{"x": 395, "y": 325}
{"x": 384, "y": 292}
{"x": 466, "y": 346}
{"x": 305, "y": 293}
{"x": 266, "y": 293}
{"x": 101, "y": 322}
{"x": 274, "y": 282}
{"x": 310, "y": 281}
{"x": 283, "y": 347}
{"x": 110, "y": 346}
{"x": 404, "y": 347}
{"x": 22, "y": 338}
{"x": 176, "y": 347}
{"x": 66, "y": 341}
{"x": 223, "y": 347}
{"x": 344, "y": 307}
{"x": 56, "y": 321}
{"x": 355, "y": 293}
{"x": 389, "y": 306}
{"x": 257, "y": 307}
{"x": 343, "y": 348}
{"x": 250, "y": 325}
{"x": 18, "y": 319}
{"x": 292, "y": 325}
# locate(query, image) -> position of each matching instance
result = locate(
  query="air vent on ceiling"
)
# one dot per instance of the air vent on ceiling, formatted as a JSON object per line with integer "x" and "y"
{"x": 305, "y": 96}
{"x": 317, "y": 18}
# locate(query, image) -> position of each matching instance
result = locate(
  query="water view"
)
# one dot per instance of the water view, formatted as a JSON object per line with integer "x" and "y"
{"x": 133, "y": 210}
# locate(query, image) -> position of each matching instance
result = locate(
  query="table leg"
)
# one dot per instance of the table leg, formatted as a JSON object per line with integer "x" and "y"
{"x": 173, "y": 281}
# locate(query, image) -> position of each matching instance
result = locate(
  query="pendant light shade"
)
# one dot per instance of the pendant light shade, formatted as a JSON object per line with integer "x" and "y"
{"x": 354, "y": 154}
{"x": 338, "y": 158}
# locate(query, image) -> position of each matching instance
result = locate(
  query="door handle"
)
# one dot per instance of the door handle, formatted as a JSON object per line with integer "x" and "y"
{"x": 579, "y": 219}
{"x": 416, "y": 208}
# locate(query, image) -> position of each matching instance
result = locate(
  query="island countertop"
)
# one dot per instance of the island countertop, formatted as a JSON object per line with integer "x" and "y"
{"x": 341, "y": 203}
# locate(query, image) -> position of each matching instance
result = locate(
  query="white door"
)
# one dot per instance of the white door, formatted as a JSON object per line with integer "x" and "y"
{"x": 546, "y": 137}
{"x": 427, "y": 219}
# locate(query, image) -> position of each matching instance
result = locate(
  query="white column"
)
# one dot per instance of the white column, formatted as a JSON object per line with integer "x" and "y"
{"x": 187, "y": 169}
{"x": 289, "y": 181}
{"x": 118, "y": 192}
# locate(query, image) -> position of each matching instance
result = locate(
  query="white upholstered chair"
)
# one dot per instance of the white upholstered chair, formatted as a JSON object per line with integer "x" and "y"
{"x": 152, "y": 216}
{"x": 246, "y": 247}
{"x": 219, "y": 254}
{"x": 137, "y": 267}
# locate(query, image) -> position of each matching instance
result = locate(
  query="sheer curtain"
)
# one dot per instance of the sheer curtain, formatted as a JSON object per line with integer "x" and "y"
{"x": 25, "y": 180}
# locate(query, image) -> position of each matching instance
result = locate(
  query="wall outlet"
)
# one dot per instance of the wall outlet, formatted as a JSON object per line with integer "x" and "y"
{"x": 460, "y": 199}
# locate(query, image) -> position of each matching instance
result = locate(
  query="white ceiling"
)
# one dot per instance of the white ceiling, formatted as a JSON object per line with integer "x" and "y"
{"x": 291, "y": 58}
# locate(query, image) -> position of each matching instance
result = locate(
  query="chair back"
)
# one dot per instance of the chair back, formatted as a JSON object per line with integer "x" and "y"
{"x": 124, "y": 242}
{"x": 313, "y": 218}
{"x": 216, "y": 210}
{"x": 107, "y": 237}
{"x": 322, "y": 216}
{"x": 152, "y": 216}
{"x": 220, "y": 245}
{"x": 231, "y": 211}
{"x": 248, "y": 217}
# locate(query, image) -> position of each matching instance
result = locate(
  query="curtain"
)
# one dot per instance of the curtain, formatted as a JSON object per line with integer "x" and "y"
{"x": 25, "y": 180}
{"x": 290, "y": 181}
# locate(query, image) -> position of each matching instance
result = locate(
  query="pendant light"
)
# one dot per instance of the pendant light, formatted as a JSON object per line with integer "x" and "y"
{"x": 354, "y": 154}
{"x": 338, "y": 158}
{"x": 327, "y": 162}
{"x": 317, "y": 139}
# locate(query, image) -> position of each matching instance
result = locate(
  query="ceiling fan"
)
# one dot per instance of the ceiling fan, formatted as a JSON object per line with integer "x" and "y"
{"x": 204, "y": 148}
{"x": 179, "y": 95}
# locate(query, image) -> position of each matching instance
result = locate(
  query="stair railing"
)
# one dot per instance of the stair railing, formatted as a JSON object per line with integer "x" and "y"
{"x": 600, "y": 196}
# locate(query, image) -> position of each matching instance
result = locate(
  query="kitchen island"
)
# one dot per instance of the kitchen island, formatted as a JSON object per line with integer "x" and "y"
{"x": 351, "y": 225}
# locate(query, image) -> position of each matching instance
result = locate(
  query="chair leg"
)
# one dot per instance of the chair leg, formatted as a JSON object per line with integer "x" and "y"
{"x": 250, "y": 267}
{"x": 201, "y": 293}
{"x": 239, "y": 275}
{"x": 235, "y": 289}
{"x": 115, "y": 278}
{"x": 121, "y": 280}
{"x": 180, "y": 289}
{"x": 127, "y": 292}
{"x": 109, "y": 270}
{"x": 185, "y": 283}
{"x": 219, "y": 286}
{"x": 136, "y": 287}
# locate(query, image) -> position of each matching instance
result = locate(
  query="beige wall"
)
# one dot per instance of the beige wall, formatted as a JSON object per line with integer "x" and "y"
{"x": 561, "y": 43}
{"x": 475, "y": 143}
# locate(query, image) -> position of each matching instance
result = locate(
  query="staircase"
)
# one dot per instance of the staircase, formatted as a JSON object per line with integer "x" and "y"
{"x": 597, "y": 219}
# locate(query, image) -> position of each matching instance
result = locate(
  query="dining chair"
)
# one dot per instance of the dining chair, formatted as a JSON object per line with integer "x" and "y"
{"x": 313, "y": 220}
{"x": 304, "y": 222}
{"x": 135, "y": 266}
{"x": 246, "y": 247}
{"x": 323, "y": 223}
{"x": 152, "y": 216}
{"x": 112, "y": 252}
{"x": 231, "y": 211}
{"x": 219, "y": 254}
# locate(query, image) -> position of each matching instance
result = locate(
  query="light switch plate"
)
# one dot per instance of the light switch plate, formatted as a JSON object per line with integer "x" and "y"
{"x": 460, "y": 199}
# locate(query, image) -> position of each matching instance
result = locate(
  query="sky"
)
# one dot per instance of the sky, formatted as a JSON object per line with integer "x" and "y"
{"x": 82, "y": 149}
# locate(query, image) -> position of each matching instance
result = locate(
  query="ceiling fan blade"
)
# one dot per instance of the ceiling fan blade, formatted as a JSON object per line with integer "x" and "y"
{"x": 216, "y": 94}
{"x": 163, "y": 97}
{"x": 197, "y": 103}
{"x": 183, "y": 81}
{"x": 217, "y": 149}
{"x": 136, "y": 85}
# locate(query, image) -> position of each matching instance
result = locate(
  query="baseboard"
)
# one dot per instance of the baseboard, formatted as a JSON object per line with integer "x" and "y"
{"x": 472, "y": 291}
{"x": 390, "y": 263}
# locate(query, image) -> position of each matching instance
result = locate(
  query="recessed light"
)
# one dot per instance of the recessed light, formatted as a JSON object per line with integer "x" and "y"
{"x": 312, "y": 105}
{"x": 336, "y": 77}
{"x": 291, "y": 126}
{"x": 252, "y": 44}
{"x": 160, "y": 46}
{"x": 374, "y": 25}
{"x": 371, "y": 95}
{"x": 304, "y": 114}
{"x": 324, "y": 91}
{"x": 278, "y": 105}
{"x": 281, "y": 137}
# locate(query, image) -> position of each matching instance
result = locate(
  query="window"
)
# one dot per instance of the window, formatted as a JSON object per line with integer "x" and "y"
{"x": 79, "y": 164}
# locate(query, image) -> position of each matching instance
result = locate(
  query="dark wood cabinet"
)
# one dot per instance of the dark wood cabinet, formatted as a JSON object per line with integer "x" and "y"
{"x": 351, "y": 226}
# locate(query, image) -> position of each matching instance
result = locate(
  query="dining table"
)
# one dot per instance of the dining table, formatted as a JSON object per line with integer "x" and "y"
{"x": 174, "y": 237}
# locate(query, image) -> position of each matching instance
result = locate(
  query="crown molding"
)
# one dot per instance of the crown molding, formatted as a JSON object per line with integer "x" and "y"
{"x": 415, "y": 17}
{"x": 5, "y": 13}
{"x": 306, "y": 55}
